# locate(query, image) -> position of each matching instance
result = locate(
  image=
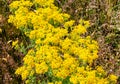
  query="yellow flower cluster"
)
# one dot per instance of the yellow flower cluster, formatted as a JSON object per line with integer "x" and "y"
{"x": 21, "y": 3}
{"x": 59, "y": 47}
{"x": 88, "y": 76}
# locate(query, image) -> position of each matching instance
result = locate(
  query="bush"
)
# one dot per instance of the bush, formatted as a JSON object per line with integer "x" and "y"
{"x": 60, "y": 53}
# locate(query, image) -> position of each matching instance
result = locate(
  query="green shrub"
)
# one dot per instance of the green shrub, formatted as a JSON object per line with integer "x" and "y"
{"x": 60, "y": 54}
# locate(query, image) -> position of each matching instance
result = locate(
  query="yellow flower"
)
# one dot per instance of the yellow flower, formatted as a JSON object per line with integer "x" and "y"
{"x": 29, "y": 60}
{"x": 66, "y": 43}
{"x": 113, "y": 77}
{"x": 79, "y": 29}
{"x": 68, "y": 62}
{"x": 73, "y": 79}
{"x": 86, "y": 24}
{"x": 65, "y": 52}
{"x": 11, "y": 19}
{"x": 55, "y": 63}
{"x": 38, "y": 41}
{"x": 102, "y": 81}
{"x": 14, "y": 5}
{"x": 62, "y": 73}
{"x": 26, "y": 3}
{"x": 66, "y": 16}
{"x": 14, "y": 43}
{"x": 100, "y": 69}
{"x": 24, "y": 74}
{"x": 44, "y": 2}
{"x": 50, "y": 83}
{"x": 41, "y": 68}
{"x": 69, "y": 24}
{"x": 58, "y": 82}
{"x": 20, "y": 70}
{"x": 32, "y": 35}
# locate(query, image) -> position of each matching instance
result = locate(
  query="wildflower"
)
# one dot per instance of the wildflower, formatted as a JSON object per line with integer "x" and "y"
{"x": 59, "y": 50}
{"x": 69, "y": 24}
{"x": 113, "y": 77}
{"x": 41, "y": 68}
{"x": 14, "y": 43}
{"x": 24, "y": 74}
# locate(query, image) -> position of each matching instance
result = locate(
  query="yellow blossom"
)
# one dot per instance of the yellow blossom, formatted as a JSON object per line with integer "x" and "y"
{"x": 59, "y": 50}
{"x": 69, "y": 24}
{"x": 14, "y": 43}
{"x": 24, "y": 74}
{"x": 41, "y": 68}
{"x": 113, "y": 77}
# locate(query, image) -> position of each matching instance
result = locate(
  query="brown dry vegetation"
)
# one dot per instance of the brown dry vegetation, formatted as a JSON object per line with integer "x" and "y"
{"x": 10, "y": 59}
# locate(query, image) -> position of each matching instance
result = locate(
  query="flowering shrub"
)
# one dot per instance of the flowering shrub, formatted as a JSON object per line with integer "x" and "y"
{"x": 59, "y": 55}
